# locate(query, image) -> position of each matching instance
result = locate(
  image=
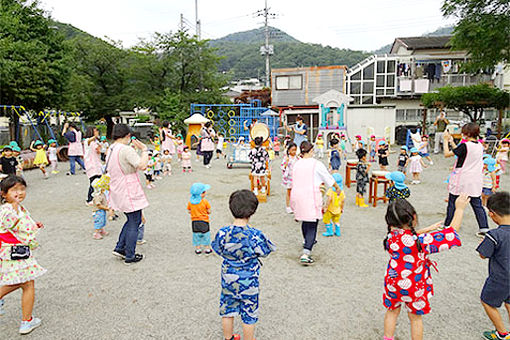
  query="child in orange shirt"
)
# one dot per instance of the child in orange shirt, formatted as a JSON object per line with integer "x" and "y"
{"x": 199, "y": 209}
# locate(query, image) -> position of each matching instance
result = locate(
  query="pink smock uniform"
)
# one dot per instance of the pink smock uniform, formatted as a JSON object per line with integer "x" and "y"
{"x": 75, "y": 148}
{"x": 469, "y": 178}
{"x": 92, "y": 160}
{"x": 305, "y": 197}
{"x": 168, "y": 142}
{"x": 126, "y": 193}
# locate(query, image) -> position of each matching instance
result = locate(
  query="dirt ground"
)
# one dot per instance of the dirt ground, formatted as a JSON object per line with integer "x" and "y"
{"x": 174, "y": 294}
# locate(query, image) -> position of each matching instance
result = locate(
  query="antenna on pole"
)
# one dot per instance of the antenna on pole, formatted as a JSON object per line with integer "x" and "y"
{"x": 266, "y": 50}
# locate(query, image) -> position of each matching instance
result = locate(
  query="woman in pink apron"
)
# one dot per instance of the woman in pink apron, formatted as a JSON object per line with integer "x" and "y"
{"x": 75, "y": 148}
{"x": 206, "y": 143}
{"x": 92, "y": 158}
{"x": 305, "y": 197}
{"x": 467, "y": 174}
{"x": 126, "y": 193}
{"x": 167, "y": 139}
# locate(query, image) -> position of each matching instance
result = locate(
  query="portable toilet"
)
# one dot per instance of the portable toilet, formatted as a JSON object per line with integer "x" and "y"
{"x": 194, "y": 123}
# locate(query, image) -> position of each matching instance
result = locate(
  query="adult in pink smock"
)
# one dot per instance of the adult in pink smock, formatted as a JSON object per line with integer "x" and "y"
{"x": 92, "y": 158}
{"x": 467, "y": 174}
{"x": 75, "y": 147}
{"x": 207, "y": 146}
{"x": 126, "y": 193}
{"x": 305, "y": 197}
{"x": 167, "y": 138}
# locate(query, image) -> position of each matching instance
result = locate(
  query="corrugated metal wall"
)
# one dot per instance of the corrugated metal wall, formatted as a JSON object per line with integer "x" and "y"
{"x": 316, "y": 81}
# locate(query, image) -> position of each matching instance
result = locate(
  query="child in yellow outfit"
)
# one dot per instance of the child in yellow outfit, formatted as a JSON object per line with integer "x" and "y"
{"x": 334, "y": 207}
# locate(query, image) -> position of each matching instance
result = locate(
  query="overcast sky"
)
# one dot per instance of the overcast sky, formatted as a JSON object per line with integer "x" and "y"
{"x": 357, "y": 24}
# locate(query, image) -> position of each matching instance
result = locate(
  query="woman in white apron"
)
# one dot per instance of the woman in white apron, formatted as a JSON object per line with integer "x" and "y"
{"x": 207, "y": 143}
{"x": 75, "y": 148}
{"x": 92, "y": 158}
{"x": 167, "y": 139}
{"x": 467, "y": 174}
{"x": 305, "y": 197}
{"x": 126, "y": 193}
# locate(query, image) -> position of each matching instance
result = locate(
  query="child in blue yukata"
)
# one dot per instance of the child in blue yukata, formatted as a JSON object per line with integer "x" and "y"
{"x": 496, "y": 247}
{"x": 398, "y": 189}
{"x": 240, "y": 246}
{"x": 335, "y": 156}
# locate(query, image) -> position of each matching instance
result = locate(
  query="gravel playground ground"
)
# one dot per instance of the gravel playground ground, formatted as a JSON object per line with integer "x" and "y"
{"x": 174, "y": 294}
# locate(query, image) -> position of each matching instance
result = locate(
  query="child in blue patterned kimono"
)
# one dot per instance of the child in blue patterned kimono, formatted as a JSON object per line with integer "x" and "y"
{"x": 240, "y": 246}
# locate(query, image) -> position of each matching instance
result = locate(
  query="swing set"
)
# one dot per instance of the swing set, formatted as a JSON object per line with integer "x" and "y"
{"x": 38, "y": 121}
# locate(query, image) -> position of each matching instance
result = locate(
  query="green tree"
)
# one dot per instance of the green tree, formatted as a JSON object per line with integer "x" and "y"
{"x": 33, "y": 67}
{"x": 98, "y": 83}
{"x": 470, "y": 100}
{"x": 483, "y": 30}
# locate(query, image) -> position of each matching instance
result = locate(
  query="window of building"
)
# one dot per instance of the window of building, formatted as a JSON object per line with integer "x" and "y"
{"x": 289, "y": 82}
{"x": 391, "y": 66}
{"x": 368, "y": 72}
{"x": 381, "y": 66}
{"x": 368, "y": 87}
{"x": 380, "y": 81}
{"x": 355, "y": 87}
{"x": 368, "y": 99}
{"x": 356, "y": 76}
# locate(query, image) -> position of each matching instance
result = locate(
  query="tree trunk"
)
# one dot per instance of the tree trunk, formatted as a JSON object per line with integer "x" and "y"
{"x": 109, "y": 126}
{"x": 500, "y": 122}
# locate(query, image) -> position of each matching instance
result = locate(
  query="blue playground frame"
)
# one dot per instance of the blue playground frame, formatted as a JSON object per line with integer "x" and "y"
{"x": 230, "y": 119}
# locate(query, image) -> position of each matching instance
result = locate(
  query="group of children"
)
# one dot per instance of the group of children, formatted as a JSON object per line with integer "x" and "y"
{"x": 12, "y": 162}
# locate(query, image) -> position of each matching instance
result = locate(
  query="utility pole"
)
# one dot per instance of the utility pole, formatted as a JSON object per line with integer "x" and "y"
{"x": 197, "y": 22}
{"x": 266, "y": 50}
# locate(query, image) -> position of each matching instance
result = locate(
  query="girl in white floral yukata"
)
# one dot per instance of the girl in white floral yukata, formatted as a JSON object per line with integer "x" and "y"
{"x": 18, "y": 267}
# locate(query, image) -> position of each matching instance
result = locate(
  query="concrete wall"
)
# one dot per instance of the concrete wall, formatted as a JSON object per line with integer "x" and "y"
{"x": 316, "y": 81}
{"x": 359, "y": 119}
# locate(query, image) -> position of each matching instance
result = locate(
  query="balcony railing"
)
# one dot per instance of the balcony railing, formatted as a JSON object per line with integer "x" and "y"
{"x": 410, "y": 86}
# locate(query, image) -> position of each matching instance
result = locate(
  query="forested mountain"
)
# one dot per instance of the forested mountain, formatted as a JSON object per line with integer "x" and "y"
{"x": 242, "y": 58}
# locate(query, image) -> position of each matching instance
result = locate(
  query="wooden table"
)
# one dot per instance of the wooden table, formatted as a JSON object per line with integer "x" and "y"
{"x": 351, "y": 164}
{"x": 378, "y": 177}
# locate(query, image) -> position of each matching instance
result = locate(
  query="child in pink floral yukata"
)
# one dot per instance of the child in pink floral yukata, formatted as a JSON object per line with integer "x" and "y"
{"x": 18, "y": 267}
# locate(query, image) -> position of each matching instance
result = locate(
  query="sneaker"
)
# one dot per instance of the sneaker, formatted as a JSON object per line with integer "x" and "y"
{"x": 55, "y": 172}
{"x": 288, "y": 210}
{"x": 306, "y": 260}
{"x": 208, "y": 251}
{"x": 28, "y": 326}
{"x": 494, "y": 335}
{"x": 119, "y": 253}
{"x": 141, "y": 242}
{"x": 431, "y": 163}
{"x": 97, "y": 236}
{"x": 198, "y": 251}
{"x": 104, "y": 232}
{"x": 2, "y": 310}
{"x": 69, "y": 174}
{"x": 136, "y": 259}
{"x": 89, "y": 204}
{"x": 235, "y": 337}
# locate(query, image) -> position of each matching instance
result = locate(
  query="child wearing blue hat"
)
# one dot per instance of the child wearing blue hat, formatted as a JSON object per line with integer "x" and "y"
{"x": 383, "y": 153}
{"x": 334, "y": 207}
{"x": 200, "y": 209}
{"x": 103, "y": 143}
{"x": 416, "y": 165}
{"x": 402, "y": 160}
{"x": 8, "y": 163}
{"x": 489, "y": 179}
{"x": 40, "y": 159}
{"x": 52, "y": 155}
{"x": 398, "y": 189}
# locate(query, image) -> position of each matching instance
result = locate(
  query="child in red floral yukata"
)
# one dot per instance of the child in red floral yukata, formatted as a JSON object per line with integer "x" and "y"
{"x": 407, "y": 280}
